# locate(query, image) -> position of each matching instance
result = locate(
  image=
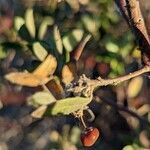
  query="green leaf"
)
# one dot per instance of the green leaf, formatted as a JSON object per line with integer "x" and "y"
{"x": 47, "y": 21}
{"x": 71, "y": 39}
{"x": 112, "y": 47}
{"x": 18, "y": 22}
{"x": 67, "y": 106}
{"x": 135, "y": 87}
{"x": 3, "y": 53}
{"x": 39, "y": 51}
{"x": 75, "y": 135}
{"x": 128, "y": 147}
{"x": 90, "y": 24}
{"x": 29, "y": 21}
{"x": 41, "y": 98}
{"x": 58, "y": 41}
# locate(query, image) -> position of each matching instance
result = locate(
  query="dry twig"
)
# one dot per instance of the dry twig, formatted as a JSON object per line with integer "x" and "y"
{"x": 86, "y": 86}
{"x": 131, "y": 12}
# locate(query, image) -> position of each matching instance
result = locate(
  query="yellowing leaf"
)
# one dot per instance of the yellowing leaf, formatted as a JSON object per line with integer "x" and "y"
{"x": 134, "y": 87}
{"x": 47, "y": 67}
{"x": 67, "y": 106}
{"x": 58, "y": 41}
{"x": 29, "y": 21}
{"x": 39, "y": 51}
{"x": 145, "y": 109}
{"x": 68, "y": 73}
{"x": 39, "y": 112}
{"x": 26, "y": 79}
{"x": 42, "y": 98}
{"x": 38, "y": 77}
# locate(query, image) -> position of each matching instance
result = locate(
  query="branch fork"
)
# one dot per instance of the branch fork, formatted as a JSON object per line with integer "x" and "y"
{"x": 86, "y": 86}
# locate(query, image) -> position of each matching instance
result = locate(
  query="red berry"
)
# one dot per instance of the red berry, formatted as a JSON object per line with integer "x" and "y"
{"x": 89, "y": 136}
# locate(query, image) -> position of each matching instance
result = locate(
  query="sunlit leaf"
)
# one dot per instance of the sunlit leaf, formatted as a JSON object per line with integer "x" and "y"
{"x": 47, "y": 67}
{"x": 39, "y": 75}
{"x": 18, "y": 22}
{"x": 143, "y": 110}
{"x": 42, "y": 98}
{"x": 112, "y": 47}
{"x": 67, "y": 106}
{"x": 90, "y": 24}
{"x": 29, "y": 21}
{"x": 47, "y": 21}
{"x": 39, "y": 51}
{"x": 26, "y": 79}
{"x": 68, "y": 72}
{"x": 70, "y": 40}
{"x": 3, "y": 53}
{"x": 128, "y": 147}
{"x": 39, "y": 112}
{"x": 134, "y": 87}
{"x": 136, "y": 53}
{"x": 58, "y": 41}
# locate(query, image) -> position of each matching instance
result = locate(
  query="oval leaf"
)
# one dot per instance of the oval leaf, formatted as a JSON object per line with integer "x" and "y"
{"x": 42, "y": 98}
{"x": 68, "y": 73}
{"x": 26, "y": 79}
{"x": 29, "y": 21}
{"x": 134, "y": 87}
{"x": 47, "y": 67}
{"x": 67, "y": 106}
{"x": 39, "y": 112}
{"x": 18, "y": 22}
{"x": 39, "y": 51}
{"x": 38, "y": 77}
{"x": 128, "y": 147}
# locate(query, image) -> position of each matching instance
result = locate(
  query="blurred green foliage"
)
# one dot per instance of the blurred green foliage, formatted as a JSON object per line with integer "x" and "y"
{"x": 52, "y": 26}
{"x": 38, "y": 20}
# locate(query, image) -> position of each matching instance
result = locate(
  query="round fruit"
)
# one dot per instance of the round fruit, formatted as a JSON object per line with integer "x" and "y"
{"x": 89, "y": 136}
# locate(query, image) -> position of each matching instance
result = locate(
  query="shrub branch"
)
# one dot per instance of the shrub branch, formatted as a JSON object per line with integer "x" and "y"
{"x": 86, "y": 86}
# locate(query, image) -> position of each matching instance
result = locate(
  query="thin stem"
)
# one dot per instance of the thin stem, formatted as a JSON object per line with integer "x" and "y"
{"x": 86, "y": 86}
{"x": 45, "y": 88}
{"x": 125, "y": 109}
{"x": 91, "y": 115}
{"x": 82, "y": 120}
{"x": 115, "y": 81}
{"x": 76, "y": 53}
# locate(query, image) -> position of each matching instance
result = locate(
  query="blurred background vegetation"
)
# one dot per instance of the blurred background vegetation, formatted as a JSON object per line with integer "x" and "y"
{"x": 111, "y": 52}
